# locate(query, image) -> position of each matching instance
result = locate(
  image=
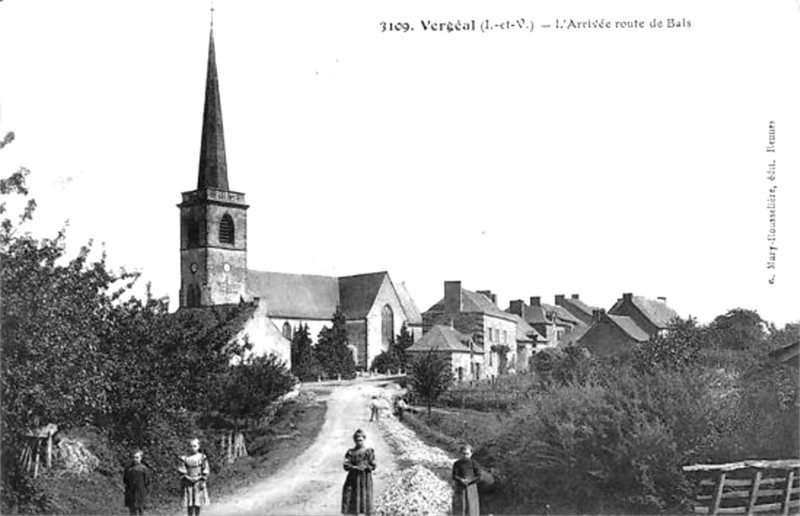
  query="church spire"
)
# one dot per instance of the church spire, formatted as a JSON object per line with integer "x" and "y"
{"x": 213, "y": 171}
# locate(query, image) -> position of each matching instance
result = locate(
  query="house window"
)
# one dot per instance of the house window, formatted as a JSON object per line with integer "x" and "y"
{"x": 496, "y": 335}
{"x": 287, "y": 331}
{"x": 193, "y": 296}
{"x": 226, "y": 235}
{"x": 491, "y": 335}
{"x": 505, "y": 337}
{"x": 387, "y": 326}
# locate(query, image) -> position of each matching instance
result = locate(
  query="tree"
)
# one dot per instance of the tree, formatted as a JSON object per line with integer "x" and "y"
{"x": 395, "y": 359}
{"x": 332, "y": 352}
{"x": 405, "y": 339}
{"x": 430, "y": 376}
{"x": 738, "y": 329}
{"x": 677, "y": 349}
{"x": 304, "y": 366}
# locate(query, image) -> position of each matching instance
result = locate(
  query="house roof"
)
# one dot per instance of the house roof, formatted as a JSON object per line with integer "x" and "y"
{"x": 658, "y": 312}
{"x": 572, "y": 337}
{"x": 357, "y": 293}
{"x": 443, "y": 338}
{"x": 561, "y": 313}
{"x": 526, "y": 332}
{"x": 475, "y": 303}
{"x": 630, "y": 327}
{"x": 580, "y": 305}
{"x": 301, "y": 296}
{"x": 413, "y": 316}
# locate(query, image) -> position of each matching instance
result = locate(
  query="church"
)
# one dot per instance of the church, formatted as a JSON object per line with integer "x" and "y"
{"x": 215, "y": 273}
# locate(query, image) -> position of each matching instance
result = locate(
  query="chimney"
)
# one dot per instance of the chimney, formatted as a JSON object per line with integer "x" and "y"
{"x": 597, "y": 313}
{"x": 628, "y": 298}
{"x": 452, "y": 298}
{"x": 536, "y": 301}
{"x": 662, "y": 300}
{"x": 517, "y": 307}
{"x": 559, "y": 299}
{"x": 575, "y": 296}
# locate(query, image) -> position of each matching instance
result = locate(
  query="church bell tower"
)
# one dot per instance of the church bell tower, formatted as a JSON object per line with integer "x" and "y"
{"x": 213, "y": 218}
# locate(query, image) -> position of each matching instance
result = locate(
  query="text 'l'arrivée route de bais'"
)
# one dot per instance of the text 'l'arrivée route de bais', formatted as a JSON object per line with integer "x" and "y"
{"x": 528, "y": 25}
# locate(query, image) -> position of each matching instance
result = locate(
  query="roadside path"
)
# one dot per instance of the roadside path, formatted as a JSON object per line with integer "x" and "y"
{"x": 312, "y": 483}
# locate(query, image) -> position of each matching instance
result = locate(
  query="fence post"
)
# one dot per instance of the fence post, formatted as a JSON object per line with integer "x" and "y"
{"x": 788, "y": 494}
{"x": 718, "y": 494}
{"x": 754, "y": 492}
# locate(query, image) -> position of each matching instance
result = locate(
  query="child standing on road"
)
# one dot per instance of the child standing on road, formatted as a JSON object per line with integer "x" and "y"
{"x": 359, "y": 462}
{"x": 466, "y": 474}
{"x": 375, "y": 409}
{"x": 137, "y": 481}
{"x": 194, "y": 472}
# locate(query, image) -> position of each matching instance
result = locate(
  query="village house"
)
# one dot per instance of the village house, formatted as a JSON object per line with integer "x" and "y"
{"x": 527, "y": 341}
{"x": 477, "y": 315}
{"x": 551, "y": 322}
{"x": 214, "y": 270}
{"x": 631, "y": 321}
{"x": 466, "y": 358}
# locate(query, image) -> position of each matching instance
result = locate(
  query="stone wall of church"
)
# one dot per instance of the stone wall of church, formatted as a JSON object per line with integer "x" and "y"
{"x": 386, "y": 296}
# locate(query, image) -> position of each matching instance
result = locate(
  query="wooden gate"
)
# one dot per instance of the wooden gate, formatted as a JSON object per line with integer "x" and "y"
{"x": 747, "y": 487}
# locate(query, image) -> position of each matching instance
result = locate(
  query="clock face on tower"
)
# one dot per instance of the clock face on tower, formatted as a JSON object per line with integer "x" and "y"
{"x": 227, "y": 267}
{"x": 193, "y": 267}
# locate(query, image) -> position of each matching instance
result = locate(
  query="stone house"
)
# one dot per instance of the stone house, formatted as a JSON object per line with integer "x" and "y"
{"x": 477, "y": 315}
{"x": 552, "y": 322}
{"x": 466, "y": 358}
{"x": 214, "y": 270}
{"x": 631, "y": 321}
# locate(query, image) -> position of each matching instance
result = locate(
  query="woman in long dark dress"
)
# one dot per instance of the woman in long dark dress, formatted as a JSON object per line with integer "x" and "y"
{"x": 466, "y": 474}
{"x": 359, "y": 462}
{"x": 137, "y": 481}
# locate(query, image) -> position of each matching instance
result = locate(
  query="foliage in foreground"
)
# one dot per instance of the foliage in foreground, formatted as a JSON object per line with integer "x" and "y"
{"x": 79, "y": 352}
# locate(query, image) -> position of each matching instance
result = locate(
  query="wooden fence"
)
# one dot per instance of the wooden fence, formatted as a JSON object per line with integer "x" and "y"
{"x": 748, "y": 487}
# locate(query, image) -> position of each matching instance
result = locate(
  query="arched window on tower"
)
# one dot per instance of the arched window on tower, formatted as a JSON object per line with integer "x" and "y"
{"x": 193, "y": 296}
{"x": 226, "y": 230}
{"x": 387, "y": 327}
{"x": 287, "y": 331}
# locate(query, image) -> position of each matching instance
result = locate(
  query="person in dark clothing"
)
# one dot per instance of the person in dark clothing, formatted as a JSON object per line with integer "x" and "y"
{"x": 137, "y": 482}
{"x": 466, "y": 474}
{"x": 359, "y": 462}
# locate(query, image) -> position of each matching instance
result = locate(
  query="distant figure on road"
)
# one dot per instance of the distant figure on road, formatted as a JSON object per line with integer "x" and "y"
{"x": 375, "y": 409}
{"x": 466, "y": 474}
{"x": 194, "y": 472}
{"x": 359, "y": 462}
{"x": 402, "y": 406}
{"x": 137, "y": 481}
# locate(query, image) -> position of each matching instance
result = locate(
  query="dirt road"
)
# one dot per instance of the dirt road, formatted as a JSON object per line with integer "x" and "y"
{"x": 312, "y": 483}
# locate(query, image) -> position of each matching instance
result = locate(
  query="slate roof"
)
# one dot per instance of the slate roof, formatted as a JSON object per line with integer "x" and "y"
{"x": 630, "y": 327}
{"x": 413, "y": 316}
{"x": 562, "y": 313}
{"x": 357, "y": 293}
{"x": 301, "y": 296}
{"x": 443, "y": 338}
{"x": 526, "y": 332}
{"x": 572, "y": 337}
{"x": 475, "y": 303}
{"x": 659, "y": 313}
{"x": 580, "y": 305}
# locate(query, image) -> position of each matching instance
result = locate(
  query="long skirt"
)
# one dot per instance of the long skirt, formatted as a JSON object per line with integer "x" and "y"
{"x": 357, "y": 493}
{"x": 465, "y": 500}
{"x": 195, "y": 494}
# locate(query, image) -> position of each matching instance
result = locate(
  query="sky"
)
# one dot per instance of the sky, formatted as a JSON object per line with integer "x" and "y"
{"x": 591, "y": 161}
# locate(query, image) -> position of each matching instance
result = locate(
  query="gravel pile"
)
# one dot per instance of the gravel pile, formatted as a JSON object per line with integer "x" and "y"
{"x": 410, "y": 449}
{"x": 416, "y": 491}
{"x": 422, "y": 487}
